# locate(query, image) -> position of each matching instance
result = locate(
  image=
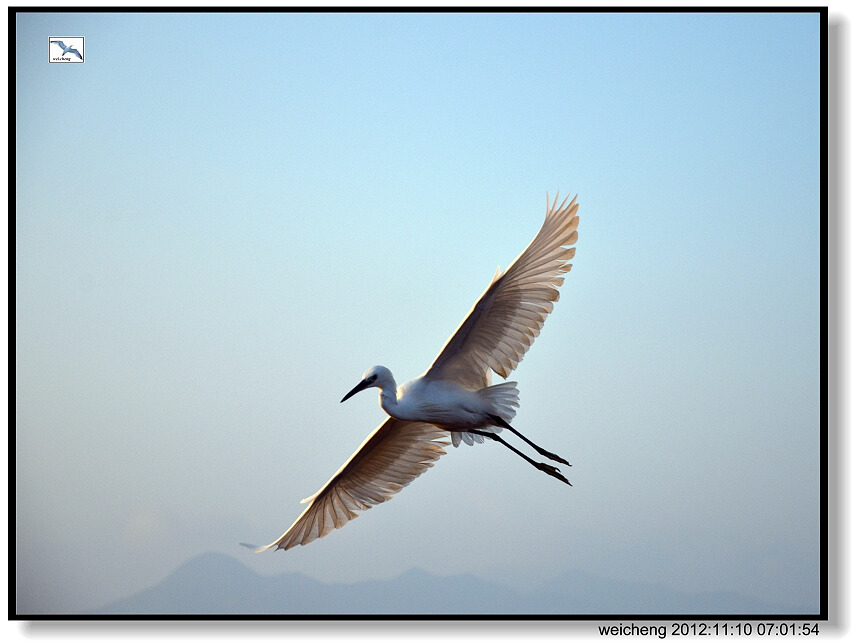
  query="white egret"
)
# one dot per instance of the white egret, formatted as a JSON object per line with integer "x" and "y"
{"x": 454, "y": 396}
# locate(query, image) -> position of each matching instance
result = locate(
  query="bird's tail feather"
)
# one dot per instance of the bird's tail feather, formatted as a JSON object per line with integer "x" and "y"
{"x": 502, "y": 401}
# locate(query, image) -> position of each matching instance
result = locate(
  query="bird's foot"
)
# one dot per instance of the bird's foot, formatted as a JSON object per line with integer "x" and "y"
{"x": 553, "y": 457}
{"x": 552, "y": 471}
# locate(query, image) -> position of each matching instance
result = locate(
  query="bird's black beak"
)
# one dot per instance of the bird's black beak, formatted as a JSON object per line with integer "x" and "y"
{"x": 364, "y": 384}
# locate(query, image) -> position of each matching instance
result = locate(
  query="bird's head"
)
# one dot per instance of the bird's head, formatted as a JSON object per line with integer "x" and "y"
{"x": 374, "y": 377}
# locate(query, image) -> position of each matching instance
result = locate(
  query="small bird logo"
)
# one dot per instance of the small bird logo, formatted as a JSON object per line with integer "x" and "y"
{"x": 67, "y": 49}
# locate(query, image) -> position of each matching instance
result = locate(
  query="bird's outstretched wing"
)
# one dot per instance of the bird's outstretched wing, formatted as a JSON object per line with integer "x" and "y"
{"x": 507, "y": 318}
{"x": 76, "y": 53}
{"x": 393, "y": 456}
{"x": 60, "y": 43}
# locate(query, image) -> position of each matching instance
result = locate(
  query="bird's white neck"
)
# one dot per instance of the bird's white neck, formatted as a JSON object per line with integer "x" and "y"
{"x": 388, "y": 398}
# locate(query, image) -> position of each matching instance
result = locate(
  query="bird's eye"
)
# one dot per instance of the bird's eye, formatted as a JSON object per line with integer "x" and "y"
{"x": 372, "y": 378}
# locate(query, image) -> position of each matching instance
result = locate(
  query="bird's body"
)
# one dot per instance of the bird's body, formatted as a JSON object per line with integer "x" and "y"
{"x": 439, "y": 402}
{"x": 443, "y": 403}
{"x": 454, "y": 397}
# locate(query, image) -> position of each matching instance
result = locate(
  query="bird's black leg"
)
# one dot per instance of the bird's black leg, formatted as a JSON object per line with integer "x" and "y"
{"x": 543, "y": 467}
{"x": 497, "y": 420}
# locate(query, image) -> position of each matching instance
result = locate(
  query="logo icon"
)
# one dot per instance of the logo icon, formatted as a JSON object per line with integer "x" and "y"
{"x": 68, "y": 49}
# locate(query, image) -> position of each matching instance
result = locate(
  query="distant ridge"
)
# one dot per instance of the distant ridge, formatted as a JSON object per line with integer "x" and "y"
{"x": 216, "y": 584}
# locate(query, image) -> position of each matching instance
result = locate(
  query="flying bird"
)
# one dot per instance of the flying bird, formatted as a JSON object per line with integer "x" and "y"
{"x": 67, "y": 49}
{"x": 454, "y": 397}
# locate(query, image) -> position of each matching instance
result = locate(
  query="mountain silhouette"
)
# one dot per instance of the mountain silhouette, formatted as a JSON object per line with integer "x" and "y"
{"x": 216, "y": 584}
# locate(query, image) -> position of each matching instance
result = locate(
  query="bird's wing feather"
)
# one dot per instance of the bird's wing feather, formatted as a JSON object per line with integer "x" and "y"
{"x": 393, "y": 456}
{"x": 60, "y": 43}
{"x": 507, "y": 318}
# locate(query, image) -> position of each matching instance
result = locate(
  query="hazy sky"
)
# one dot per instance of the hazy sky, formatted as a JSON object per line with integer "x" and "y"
{"x": 223, "y": 220}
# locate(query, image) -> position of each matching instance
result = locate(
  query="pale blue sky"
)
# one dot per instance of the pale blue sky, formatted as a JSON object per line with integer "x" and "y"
{"x": 223, "y": 220}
